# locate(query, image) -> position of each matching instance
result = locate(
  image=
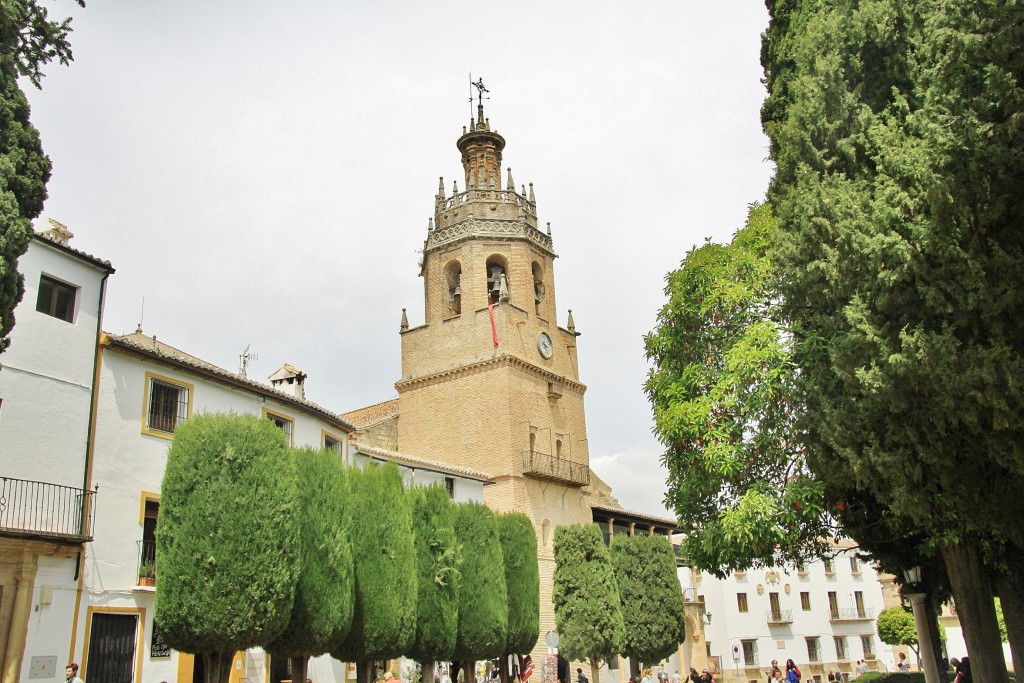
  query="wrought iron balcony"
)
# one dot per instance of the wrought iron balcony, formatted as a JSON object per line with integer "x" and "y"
{"x": 543, "y": 466}
{"x": 780, "y": 616}
{"x": 38, "y": 509}
{"x": 147, "y": 563}
{"x": 851, "y": 614}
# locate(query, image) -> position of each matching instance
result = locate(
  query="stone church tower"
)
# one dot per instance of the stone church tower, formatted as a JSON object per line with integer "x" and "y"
{"x": 490, "y": 381}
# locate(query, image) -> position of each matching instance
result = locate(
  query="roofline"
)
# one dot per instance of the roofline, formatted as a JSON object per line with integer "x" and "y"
{"x": 222, "y": 376}
{"x": 71, "y": 251}
{"x": 417, "y": 463}
{"x": 660, "y": 521}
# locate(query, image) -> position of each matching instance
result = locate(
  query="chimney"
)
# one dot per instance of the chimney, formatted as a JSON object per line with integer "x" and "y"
{"x": 290, "y": 380}
{"x": 56, "y": 231}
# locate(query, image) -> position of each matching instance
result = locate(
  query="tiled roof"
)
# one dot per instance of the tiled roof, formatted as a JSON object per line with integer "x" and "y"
{"x": 371, "y": 415}
{"x": 98, "y": 262}
{"x": 139, "y": 343}
{"x": 422, "y": 463}
{"x": 612, "y": 510}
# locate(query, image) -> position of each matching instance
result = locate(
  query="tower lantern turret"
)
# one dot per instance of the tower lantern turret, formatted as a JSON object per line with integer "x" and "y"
{"x": 481, "y": 153}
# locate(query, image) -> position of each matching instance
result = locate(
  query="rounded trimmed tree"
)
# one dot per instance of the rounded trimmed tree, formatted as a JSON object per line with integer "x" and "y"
{"x": 483, "y": 607}
{"x": 324, "y": 594}
{"x": 651, "y": 597}
{"x": 228, "y": 544}
{"x": 588, "y": 610}
{"x": 384, "y": 619}
{"x": 522, "y": 581}
{"x": 437, "y": 562}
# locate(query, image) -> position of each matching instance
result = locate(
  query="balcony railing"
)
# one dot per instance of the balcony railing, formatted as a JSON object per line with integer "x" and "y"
{"x": 542, "y": 466}
{"x": 851, "y": 614}
{"x": 42, "y": 510}
{"x": 147, "y": 563}
{"x": 780, "y": 616}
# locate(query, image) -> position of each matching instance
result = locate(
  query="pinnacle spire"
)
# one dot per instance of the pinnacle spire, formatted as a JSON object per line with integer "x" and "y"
{"x": 511, "y": 184}
{"x": 440, "y": 187}
{"x": 405, "y": 322}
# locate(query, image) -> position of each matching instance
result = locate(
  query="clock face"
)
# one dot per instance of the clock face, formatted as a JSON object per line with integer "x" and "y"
{"x": 544, "y": 344}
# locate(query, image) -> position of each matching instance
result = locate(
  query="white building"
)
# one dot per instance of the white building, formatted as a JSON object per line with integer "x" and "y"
{"x": 47, "y": 504}
{"x": 822, "y": 617}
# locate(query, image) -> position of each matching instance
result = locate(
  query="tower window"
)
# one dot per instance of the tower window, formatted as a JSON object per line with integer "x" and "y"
{"x": 538, "y": 286}
{"x": 453, "y": 280}
{"x": 497, "y": 280}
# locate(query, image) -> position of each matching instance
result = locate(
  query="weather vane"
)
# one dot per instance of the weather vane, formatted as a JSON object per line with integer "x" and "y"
{"x": 480, "y": 89}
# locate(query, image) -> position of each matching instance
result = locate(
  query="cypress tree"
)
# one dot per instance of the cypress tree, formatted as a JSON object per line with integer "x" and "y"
{"x": 384, "y": 620}
{"x": 228, "y": 545}
{"x": 324, "y": 595}
{"x": 652, "y": 601}
{"x": 437, "y": 560}
{"x": 588, "y": 611}
{"x": 522, "y": 580}
{"x": 483, "y": 610}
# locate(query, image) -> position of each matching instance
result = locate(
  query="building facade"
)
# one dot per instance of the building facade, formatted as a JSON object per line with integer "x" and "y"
{"x": 47, "y": 504}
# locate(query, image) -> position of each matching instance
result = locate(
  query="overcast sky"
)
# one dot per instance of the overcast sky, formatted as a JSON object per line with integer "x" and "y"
{"x": 262, "y": 173}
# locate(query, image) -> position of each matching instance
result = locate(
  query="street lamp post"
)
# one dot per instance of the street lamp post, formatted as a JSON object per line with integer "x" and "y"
{"x": 915, "y": 591}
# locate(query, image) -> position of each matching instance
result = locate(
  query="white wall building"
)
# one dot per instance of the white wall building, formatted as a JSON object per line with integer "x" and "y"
{"x": 823, "y": 618}
{"x": 46, "y": 503}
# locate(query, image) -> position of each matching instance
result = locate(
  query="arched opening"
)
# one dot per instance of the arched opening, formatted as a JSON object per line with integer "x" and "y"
{"x": 539, "y": 290}
{"x": 497, "y": 279}
{"x": 545, "y": 532}
{"x": 453, "y": 281}
{"x": 558, "y": 448}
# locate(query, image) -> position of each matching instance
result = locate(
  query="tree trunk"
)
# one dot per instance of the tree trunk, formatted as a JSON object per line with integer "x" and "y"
{"x": 972, "y": 593}
{"x": 469, "y": 671}
{"x": 364, "y": 671}
{"x": 218, "y": 666}
{"x": 1011, "y": 599}
{"x": 595, "y": 670}
{"x": 427, "y": 672}
{"x": 504, "y": 674}
{"x": 299, "y": 668}
{"x": 937, "y": 647}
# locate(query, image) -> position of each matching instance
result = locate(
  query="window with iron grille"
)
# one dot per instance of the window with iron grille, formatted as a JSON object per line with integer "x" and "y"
{"x": 741, "y": 602}
{"x": 285, "y": 423}
{"x": 332, "y": 444}
{"x": 449, "y": 486}
{"x": 813, "y": 650}
{"x": 56, "y": 298}
{"x": 168, "y": 404}
{"x": 805, "y": 601}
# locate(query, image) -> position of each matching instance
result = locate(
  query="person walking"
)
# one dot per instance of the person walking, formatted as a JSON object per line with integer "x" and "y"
{"x": 792, "y": 672}
{"x": 773, "y": 670}
{"x": 71, "y": 673}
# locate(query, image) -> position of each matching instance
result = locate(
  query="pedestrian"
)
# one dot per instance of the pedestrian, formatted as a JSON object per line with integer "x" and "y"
{"x": 676, "y": 678}
{"x": 792, "y": 672}
{"x": 903, "y": 666}
{"x": 647, "y": 677}
{"x": 773, "y": 670}
{"x": 71, "y": 673}
{"x": 705, "y": 677}
{"x": 963, "y": 672}
{"x": 580, "y": 678}
{"x": 694, "y": 677}
{"x": 831, "y": 677}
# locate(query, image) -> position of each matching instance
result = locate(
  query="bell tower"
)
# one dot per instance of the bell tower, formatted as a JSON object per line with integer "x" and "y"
{"x": 490, "y": 381}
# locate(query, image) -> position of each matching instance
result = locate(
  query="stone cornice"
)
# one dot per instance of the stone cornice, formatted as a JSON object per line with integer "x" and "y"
{"x": 490, "y": 364}
{"x": 493, "y": 229}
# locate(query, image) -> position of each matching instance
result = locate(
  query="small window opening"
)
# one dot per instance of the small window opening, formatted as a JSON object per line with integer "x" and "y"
{"x": 497, "y": 280}
{"x": 453, "y": 280}
{"x": 56, "y": 299}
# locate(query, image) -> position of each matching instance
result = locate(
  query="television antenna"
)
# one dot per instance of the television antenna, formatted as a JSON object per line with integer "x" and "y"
{"x": 243, "y": 360}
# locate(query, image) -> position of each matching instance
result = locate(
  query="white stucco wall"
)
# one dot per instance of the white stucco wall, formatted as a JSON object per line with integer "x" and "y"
{"x": 46, "y": 380}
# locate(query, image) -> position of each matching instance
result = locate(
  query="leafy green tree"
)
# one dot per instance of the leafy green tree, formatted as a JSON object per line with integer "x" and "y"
{"x": 384, "y": 554}
{"x": 651, "y": 597}
{"x": 28, "y": 41}
{"x": 522, "y": 580}
{"x": 896, "y": 627}
{"x": 228, "y": 545}
{"x": 721, "y": 387}
{"x": 324, "y": 594}
{"x": 588, "y": 610}
{"x": 898, "y": 190}
{"x": 437, "y": 561}
{"x": 483, "y": 595}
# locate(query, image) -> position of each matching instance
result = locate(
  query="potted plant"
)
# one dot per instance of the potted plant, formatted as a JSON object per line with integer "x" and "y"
{"x": 147, "y": 574}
